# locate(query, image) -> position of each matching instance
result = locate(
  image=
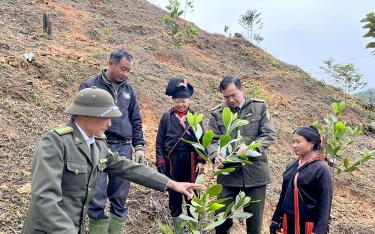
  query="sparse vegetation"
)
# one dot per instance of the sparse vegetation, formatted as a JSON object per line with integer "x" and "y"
{"x": 369, "y": 22}
{"x": 345, "y": 76}
{"x": 337, "y": 136}
{"x": 180, "y": 35}
{"x": 252, "y": 22}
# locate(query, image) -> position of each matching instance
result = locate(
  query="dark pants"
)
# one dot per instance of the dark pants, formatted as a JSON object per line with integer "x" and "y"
{"x": 254, "y": 223}
{"x": 116, "y": 190}
{"x": 182, "y": 166}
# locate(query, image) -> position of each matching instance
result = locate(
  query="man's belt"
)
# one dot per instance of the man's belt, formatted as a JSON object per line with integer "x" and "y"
{"x": 125, "y": 142}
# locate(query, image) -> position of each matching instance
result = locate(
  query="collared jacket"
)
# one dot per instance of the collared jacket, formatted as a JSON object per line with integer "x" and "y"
{"x": 169, "y": 133}
{"x": 128, "y": 127}
{"x": 260, "y": 128}
{"x": 315, "y": 194}
{"x": 64, "y": 174}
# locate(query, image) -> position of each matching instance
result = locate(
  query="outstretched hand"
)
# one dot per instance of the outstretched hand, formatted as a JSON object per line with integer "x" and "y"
{"x": 184, "y": 187}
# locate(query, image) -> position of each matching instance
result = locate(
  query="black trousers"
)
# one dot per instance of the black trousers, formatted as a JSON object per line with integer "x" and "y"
{"x": 183, "y": 170}
{"x": 254, "y": 223}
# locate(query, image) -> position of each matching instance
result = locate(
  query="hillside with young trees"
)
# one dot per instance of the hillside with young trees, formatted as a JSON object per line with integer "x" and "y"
{"x": 34, "y": 94}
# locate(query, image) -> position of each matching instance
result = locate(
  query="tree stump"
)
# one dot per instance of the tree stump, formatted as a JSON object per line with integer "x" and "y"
{"x": 47, "y": 26}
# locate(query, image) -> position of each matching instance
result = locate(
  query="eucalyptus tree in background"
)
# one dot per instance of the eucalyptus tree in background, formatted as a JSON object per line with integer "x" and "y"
{"x": 252, "y": 22}
{"x": 369, "y": 21}
{"x": 345, "y": 76}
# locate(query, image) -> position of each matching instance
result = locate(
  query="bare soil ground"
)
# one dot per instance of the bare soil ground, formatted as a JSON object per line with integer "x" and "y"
{"x": 34, "y": 95}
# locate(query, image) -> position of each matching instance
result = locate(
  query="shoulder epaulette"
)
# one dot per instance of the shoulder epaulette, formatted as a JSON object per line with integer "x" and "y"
{"x": 258, "y": 100}
{"x": 102, "y": 137}
{"x": 63, "y": 130}
{"x": 216, "y": 107}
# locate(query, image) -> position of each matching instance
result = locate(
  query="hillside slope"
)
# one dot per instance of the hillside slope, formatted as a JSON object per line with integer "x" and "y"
{"x": 34, "y": 95}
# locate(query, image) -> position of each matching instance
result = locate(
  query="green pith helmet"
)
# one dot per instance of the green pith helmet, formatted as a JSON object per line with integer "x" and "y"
{"x": 93, "y": 102}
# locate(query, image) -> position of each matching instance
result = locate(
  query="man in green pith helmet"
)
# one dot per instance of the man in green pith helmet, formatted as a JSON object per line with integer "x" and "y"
{"x": 67, "y": 164}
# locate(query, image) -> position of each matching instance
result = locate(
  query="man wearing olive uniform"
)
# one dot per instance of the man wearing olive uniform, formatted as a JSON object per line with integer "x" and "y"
{"x": 251, "y": 179}
{"x": 68, "y": 161}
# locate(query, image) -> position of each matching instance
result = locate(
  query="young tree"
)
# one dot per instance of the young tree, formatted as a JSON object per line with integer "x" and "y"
{"x": 207, "y": 211}
{"x": 369, "y": 21}
{"x": 226, "y": 31}
{"x": 189, "y": 7}
{"x": 174, "y": 28}
{"x": 337, "y": 136}
{"x": 252, "y": 22}
{"x": 346, "y": 76}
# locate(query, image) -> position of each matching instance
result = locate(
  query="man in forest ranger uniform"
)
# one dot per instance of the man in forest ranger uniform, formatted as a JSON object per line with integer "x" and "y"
{"x": 125, "y": 132}
{"x": 67, "y": 164}
{"x": 252, "y": 179}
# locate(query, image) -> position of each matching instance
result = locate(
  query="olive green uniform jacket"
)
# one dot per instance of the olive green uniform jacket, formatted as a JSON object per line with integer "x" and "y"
{"x": 64, "y": 175}
{"x": 261, "y": 128}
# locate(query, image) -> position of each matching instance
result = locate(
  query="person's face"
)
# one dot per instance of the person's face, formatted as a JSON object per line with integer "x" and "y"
{"x": 180, "y": 104}
{"x": 117, "y": 72}
{"x": 232, "y": 95}
{"x": 301, "y": 146}
{"x": 96, "y": 126}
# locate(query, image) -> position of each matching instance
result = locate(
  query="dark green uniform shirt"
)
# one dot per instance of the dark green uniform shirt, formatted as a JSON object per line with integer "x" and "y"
{"x": 261, "y": 128}
{"x": 64, "y": 175}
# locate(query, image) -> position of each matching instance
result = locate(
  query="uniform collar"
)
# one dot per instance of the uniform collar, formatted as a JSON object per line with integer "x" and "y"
{"x": 88, "y": 140}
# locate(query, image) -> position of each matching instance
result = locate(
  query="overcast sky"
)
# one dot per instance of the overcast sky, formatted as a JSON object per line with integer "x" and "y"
{"x": 299, "y": 32}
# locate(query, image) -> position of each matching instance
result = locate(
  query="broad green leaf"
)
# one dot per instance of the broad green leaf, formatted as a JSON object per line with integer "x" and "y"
{"x": 187, "y": 218}
{"x": 196, "y": 202}
{"x": 237, "y": 123}
{"x": 204, "y": 156}
{"x": 252, "y": 153}
{"x": 207, "y": 138}
{"x": 214, "y": 190}
{"x": 215, "y": 207}
{"x": 241, "y": 215}
{"x": 199, "y": 179}
{"x": 224, "y": 139}
{"x": 227, "y": 117}
{"x": 199, "y": 131}
{"x": 212, "y": 225}
{"x": 193, "y": 212}
{"x": 224, "y": 171}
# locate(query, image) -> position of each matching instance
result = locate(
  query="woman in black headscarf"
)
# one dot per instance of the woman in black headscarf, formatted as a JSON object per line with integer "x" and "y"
{"x": 174, "y": 157}
{"x": 305, "y": 201}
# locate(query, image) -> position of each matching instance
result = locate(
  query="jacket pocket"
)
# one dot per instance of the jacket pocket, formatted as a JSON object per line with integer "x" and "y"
{"x": 76, "y": 167}
{"x": 75, "y": 176}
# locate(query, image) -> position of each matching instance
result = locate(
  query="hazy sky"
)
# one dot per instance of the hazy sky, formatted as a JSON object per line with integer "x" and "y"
{"x": 299, "y": 32}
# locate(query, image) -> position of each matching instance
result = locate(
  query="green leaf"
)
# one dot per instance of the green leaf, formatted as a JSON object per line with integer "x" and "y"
{"x": 224, "y": 139}
{"x": 196, "y": 202}
{"x": 214, "y": 190}
{"x": 237, "y": 123}
{"x": 207, "y": 138}
{"x": 227, "y": 117}
{"x": 215, "y": 207}
{"x": 165, "y": 229}
{"x": 199, "y": 131}
{"x": 241, "y": 215}
{"x": 252, "y": 153}
{"x": 199, "y": 179}
{"x": 224, "y": 171}
{"x": 193, "y": 212}
{"x": 214, "y": 224}
{"x": 187, "y": 218}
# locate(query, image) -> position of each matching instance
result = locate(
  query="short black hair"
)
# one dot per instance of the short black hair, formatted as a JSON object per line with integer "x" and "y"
{"x": 120, "y": 53}
{"x": 229, "y": 80}
{"x": 311, "y": 134}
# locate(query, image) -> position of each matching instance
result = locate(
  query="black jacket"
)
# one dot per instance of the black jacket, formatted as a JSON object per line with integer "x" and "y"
{"x": 170, "y": 130}
{"x": 315, "y": 189}
{"x": 128, "y": 127}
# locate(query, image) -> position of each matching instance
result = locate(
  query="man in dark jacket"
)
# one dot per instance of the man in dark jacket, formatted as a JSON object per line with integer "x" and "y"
{"x": 251, "y": 179}
{"x": 125, "y": 132}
